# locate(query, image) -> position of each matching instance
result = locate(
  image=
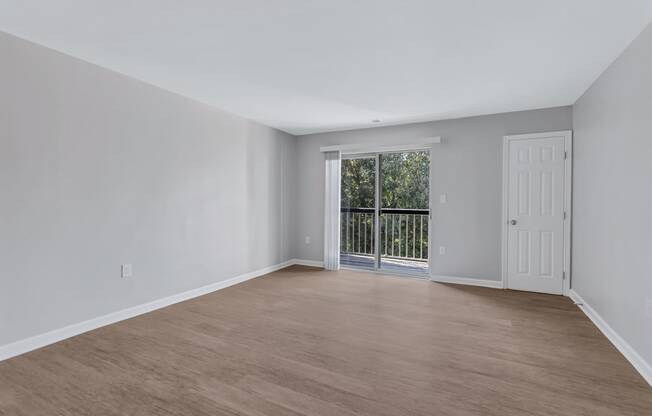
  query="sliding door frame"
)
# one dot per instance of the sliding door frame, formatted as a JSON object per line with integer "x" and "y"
{"x": 377, "y": 203}
{"x": 377, "y": 153}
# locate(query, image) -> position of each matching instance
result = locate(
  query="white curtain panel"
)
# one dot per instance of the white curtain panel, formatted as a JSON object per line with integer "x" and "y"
{"x": 332, "y": 211}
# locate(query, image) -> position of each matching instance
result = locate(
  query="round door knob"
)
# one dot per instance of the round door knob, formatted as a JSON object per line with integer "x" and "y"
{"x": 513, "y": 222}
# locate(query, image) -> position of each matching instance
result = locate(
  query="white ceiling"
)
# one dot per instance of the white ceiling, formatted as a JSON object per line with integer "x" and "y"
{"x": 308, "y": 66}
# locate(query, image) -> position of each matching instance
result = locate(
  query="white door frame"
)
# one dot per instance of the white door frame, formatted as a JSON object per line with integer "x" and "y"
{"x": 568, "y": 183}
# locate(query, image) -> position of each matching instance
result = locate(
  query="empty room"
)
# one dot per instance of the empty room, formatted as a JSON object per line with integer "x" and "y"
{"x": 325, "y": 208}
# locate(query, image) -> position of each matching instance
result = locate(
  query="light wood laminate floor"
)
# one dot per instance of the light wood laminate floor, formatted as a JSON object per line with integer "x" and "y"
{"x": 303, "y": 341}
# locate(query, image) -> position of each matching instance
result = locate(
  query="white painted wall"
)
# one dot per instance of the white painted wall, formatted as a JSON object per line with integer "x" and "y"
{"x": 467, "y": 167}
{"x": 97, "y": 169}
{"x": 612, "y": 202}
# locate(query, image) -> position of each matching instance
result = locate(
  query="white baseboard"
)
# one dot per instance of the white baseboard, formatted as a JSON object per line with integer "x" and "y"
{"x": 642, "y": 366}
{"x": 39, "y": 341}
{"x": 311, "y": 263}
{"x": 470, "y": 281}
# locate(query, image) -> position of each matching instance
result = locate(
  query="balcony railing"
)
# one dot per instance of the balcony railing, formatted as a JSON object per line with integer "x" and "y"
{"x": 403, "y": 232}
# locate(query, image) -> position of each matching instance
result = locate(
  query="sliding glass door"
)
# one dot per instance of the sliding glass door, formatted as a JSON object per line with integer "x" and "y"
{"x": 385, "y": 214}
{"x": 404, "y": 212}
{"x": 358, "y": 212}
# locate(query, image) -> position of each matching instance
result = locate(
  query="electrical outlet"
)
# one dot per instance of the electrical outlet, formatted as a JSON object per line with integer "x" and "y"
{"x": 307, "y": 239}
{"x": 442, "y": 250}
{"x": 126, "y": 270}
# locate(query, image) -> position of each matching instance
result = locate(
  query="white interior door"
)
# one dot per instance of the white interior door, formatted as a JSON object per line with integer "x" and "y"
{"x": 535, "y": 214}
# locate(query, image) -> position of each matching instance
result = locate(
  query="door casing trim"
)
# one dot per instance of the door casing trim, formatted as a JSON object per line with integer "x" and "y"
{"x": 568, "y": 192}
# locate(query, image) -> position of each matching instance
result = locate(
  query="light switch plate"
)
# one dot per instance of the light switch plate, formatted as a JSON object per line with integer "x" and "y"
{"x": 126, "y": 270}
{"x": 443, "y": 198}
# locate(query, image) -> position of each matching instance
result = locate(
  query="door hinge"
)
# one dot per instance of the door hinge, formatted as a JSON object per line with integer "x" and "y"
{"x": 565, "y": 155}
{"x": 565, "y": 215}
{"x": 563, "y": 276}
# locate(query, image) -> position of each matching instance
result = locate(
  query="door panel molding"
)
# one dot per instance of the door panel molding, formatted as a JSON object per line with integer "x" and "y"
{"x": 542, "y": 185}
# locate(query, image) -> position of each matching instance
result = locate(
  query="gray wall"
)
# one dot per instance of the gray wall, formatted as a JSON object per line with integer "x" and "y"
{"x": 97, "y": 169}
{"x": 467, "y": 167}
{"x": 612, "y": 201}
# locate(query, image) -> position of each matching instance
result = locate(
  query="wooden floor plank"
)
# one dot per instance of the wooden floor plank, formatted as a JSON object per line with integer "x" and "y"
{"x": 303, "y": 341}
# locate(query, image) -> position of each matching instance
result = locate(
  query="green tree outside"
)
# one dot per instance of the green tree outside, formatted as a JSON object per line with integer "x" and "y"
{"x": 405, "y": 185}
